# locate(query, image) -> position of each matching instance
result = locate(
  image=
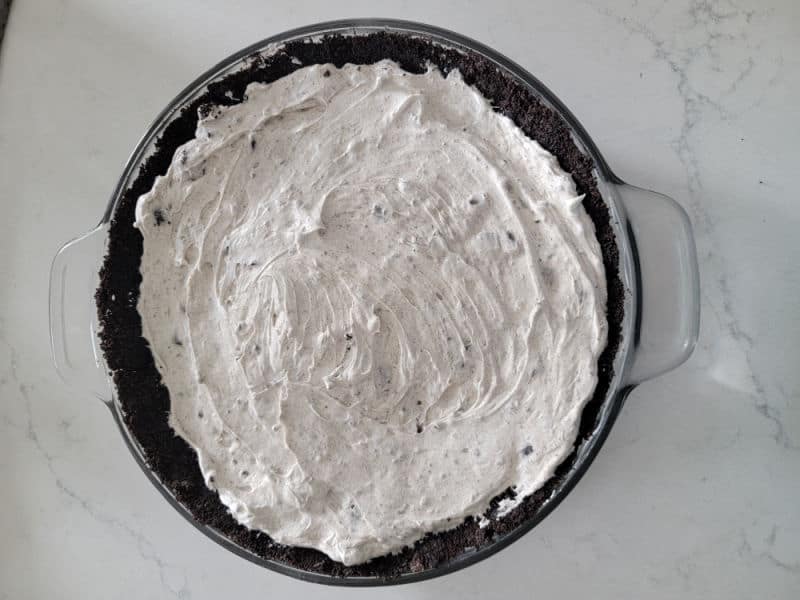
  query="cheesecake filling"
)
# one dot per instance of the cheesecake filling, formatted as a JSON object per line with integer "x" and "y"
{"x": 376, "y": 305}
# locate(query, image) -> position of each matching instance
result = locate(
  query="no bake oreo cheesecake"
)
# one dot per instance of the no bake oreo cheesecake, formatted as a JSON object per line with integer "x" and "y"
{"x": 359, "y": 302}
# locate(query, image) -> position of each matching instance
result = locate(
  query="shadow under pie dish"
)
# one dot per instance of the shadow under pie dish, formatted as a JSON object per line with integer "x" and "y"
{"x": 334, "y": 263}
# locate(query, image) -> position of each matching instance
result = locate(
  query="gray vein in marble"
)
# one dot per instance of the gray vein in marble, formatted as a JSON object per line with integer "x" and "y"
{"x": 746, "y": 550}
{"x": 144, "y": 547}
{"x": 709, "y": 17}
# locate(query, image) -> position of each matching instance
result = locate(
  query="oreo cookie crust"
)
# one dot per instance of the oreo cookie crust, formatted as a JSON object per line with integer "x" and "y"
{"x": 145, "y": 401}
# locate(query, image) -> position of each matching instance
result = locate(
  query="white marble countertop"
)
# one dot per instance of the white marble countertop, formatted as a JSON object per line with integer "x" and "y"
{"x": 695, "y": 494}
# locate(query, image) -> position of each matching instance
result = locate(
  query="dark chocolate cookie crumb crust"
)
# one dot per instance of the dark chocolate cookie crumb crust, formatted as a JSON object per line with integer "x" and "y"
{"x": 145, "y": 401}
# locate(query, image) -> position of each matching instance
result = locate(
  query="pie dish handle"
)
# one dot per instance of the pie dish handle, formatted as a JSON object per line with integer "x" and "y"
{"x": 667, "y": 282}
{"x": 73, "y": 317}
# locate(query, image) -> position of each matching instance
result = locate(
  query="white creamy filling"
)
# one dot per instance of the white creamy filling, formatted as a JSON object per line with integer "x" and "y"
{"x": 376, "y": 305}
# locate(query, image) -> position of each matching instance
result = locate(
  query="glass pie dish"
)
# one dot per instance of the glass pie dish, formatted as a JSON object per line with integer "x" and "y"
{"x": 657, "y": 265}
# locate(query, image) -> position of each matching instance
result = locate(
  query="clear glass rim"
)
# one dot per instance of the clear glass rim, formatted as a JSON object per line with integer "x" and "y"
{"x": 607, "y": 181}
